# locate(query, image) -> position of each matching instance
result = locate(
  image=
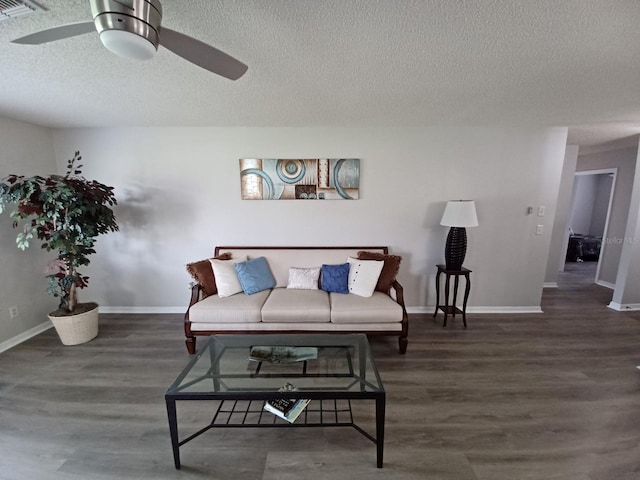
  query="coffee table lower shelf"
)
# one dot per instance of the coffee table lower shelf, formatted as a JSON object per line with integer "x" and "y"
{"x": 250, "y": 414}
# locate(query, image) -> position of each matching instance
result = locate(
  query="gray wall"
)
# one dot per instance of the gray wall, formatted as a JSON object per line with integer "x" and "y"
{"x": 560, "y": 235}
{"x": 627, "y": 292}
{"x": 604, "y": 183}
{"x": 590, "y": 203}
{"x": 582, "y": 202}
{"x": 28, "y": 150}
{"x": 625, "y": 162}
{"x": 179, "y": 196}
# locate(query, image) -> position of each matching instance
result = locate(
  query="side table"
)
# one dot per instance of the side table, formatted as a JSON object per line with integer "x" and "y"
{"x": 452, "y": 309}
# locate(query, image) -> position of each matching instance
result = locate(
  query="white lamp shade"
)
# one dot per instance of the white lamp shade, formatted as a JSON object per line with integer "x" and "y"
{"x": 460, "y": 213}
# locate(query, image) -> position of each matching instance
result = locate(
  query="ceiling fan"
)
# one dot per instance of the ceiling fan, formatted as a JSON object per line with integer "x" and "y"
{"x": 131, "y": 29}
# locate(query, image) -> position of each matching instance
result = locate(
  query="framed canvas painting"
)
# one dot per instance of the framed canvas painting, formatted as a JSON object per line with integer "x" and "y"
{"x": 300, "y": 179}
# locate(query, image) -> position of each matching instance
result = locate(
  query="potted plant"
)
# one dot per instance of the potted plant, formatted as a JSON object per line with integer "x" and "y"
{"x": 66, "y": 213}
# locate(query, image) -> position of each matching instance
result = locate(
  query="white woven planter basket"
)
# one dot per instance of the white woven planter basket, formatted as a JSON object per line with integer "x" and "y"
{"x": 77, "y": 329}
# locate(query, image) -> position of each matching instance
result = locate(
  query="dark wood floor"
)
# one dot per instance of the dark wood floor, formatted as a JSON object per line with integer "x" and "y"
{"x": 534, "y": 396}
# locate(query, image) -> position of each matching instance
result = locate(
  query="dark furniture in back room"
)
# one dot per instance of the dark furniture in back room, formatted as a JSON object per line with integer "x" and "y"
{"x": 583, "y": 248}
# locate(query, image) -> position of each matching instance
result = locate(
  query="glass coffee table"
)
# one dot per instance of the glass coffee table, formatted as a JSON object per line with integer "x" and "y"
{"x": 239, "y": 373}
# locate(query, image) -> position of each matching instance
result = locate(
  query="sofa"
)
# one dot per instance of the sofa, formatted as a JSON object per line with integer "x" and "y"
{"x": 270, "y": 290}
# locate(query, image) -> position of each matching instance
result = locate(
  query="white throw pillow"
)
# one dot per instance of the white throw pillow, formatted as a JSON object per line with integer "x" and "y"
{"x": 363, "y": 276}
{"x": 226, "y": 276}
{"x": 303, "y": 278}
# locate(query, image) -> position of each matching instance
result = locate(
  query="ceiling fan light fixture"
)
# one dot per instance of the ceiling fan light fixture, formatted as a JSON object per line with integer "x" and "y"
{"x": 127, "y": 44}
{"x": 131, "y": 28}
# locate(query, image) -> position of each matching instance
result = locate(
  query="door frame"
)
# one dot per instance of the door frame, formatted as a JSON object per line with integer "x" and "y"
{"x": 603, "y": 171}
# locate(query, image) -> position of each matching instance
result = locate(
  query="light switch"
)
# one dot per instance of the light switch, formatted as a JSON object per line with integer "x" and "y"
{"x": 541, "y": 211}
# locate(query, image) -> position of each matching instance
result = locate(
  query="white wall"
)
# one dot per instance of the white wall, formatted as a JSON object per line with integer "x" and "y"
{"x": 24, "y": 150}
{"x": 179, "y": 194}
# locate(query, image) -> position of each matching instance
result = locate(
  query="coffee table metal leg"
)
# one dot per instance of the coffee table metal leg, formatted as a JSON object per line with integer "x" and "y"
{"x": 380, "y": 412}
{"x": 173, "y": 430}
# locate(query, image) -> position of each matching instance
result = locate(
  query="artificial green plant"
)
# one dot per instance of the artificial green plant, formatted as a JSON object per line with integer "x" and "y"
{"x": 66, "y": 213}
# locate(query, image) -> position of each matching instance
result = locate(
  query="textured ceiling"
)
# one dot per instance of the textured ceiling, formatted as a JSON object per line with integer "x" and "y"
{"x": 569, "y": 63}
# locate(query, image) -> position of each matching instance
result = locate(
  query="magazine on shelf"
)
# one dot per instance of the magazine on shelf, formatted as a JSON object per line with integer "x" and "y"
{"x": 279, "y": 354}
{"x": 287, "y": 408}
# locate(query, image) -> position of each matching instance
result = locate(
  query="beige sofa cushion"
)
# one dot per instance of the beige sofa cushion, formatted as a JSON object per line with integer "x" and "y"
{"x": 379, "y": 308}
{"x": 286, "y": 305}
{"x": 234, "y": 309}
{"x": 298, "y": 327}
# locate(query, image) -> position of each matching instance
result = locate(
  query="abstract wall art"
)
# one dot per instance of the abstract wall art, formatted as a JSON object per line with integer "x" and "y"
{"x": 300, "y": 179}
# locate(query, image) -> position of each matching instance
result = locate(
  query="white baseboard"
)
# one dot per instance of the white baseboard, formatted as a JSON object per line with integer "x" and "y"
{"x": 143, "y": 309}
{"x": 624, "y": 307}
{"x": 550, "y": 285}
{"x": 492, "y": 309}
{"x": 427, "y": 309}
{"x": 506, "y": 309}
{"x": 151, "y": 310}
{"x": 609, "y": 285}
{"x": 24, "y": 336}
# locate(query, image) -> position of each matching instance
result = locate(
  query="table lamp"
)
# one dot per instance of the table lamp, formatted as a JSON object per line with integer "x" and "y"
{"x": 458, "y": 214}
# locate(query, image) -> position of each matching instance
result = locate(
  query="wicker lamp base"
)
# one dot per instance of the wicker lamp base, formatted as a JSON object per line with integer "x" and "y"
{"x": 455, "y": 248}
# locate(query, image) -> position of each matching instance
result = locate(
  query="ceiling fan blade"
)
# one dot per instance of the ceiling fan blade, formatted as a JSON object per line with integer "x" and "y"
{"x": 201, "y": 54}
{"x": 57, "y": 33}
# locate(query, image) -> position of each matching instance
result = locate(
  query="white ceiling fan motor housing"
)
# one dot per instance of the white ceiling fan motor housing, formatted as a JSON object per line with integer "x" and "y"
{"x": 128, "y": 32}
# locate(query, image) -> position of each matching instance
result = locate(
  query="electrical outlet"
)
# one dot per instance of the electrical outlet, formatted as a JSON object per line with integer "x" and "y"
{"x": 539, "y": 229}
{"x": 13, "y": 311}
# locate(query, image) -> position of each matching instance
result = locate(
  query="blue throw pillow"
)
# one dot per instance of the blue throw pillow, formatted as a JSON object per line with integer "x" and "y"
{"x": 335, "y": 278}
{"x": 255, "y": 276}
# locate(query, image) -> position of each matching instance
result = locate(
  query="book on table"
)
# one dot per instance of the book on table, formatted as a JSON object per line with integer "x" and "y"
{"x": 282, "y": 354}
{"x": 287, "y": 408}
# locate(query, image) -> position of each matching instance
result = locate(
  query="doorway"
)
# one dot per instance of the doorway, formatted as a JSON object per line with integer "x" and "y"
{"x": 588, "y": 223}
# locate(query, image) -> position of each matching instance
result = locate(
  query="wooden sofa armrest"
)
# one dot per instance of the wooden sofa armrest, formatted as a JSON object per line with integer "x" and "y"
{"x": 196, "y": 294}
{"x": 404, "y": 337}
{"x": 399, "y": 292}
